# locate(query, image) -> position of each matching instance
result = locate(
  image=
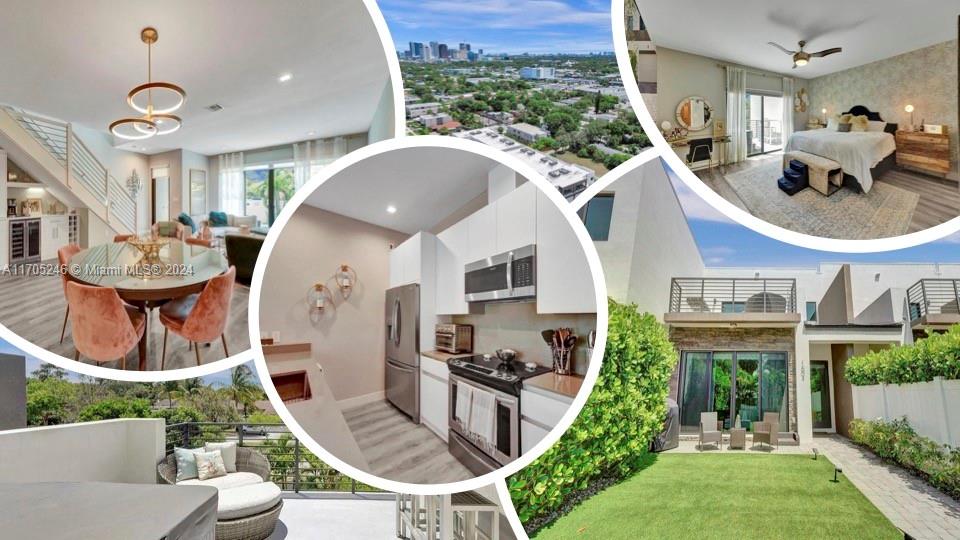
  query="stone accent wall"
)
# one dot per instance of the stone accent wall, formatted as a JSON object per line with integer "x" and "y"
{"x": 740, "y": 339}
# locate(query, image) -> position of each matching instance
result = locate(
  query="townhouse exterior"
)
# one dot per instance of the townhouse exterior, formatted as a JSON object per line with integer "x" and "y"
{"x": 764, "y": 339}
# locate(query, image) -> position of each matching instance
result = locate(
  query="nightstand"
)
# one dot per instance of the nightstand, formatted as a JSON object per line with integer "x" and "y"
{"x": 928, "y": 152}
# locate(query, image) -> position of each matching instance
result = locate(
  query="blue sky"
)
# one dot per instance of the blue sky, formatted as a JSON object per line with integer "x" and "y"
{"x": 723, "y": 242}
{"x": 498, "y": 26}
{"x": 221, "y": 378}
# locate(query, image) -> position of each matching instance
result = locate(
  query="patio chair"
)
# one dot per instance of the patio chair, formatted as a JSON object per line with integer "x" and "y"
{"x": 767, "y": 431}
{"x": 710, "y": 430}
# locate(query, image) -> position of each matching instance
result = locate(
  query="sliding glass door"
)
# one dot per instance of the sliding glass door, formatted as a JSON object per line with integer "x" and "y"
{"x": 764, "y": 123}
{"x": 745, "y": 384}
{"x": 269, "y": 187}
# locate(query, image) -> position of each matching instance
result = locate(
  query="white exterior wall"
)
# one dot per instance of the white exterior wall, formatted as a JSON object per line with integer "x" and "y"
{"x": 932, "y": 408}
{"x": 124, "y": 450}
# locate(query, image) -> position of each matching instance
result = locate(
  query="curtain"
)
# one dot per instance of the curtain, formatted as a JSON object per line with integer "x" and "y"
{"x": 736, "y": 114}
{"x": 232, "y": 184}
{"x": 787, "y": 109}
{"x": 305, "y": 162}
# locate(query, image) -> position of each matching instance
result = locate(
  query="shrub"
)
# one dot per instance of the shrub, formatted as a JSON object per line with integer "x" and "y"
{"x": 610, "y": 438}
{"x": 937, "y": 355}
{"x": 116, "y": 407}
{"x": 897, "y": 442}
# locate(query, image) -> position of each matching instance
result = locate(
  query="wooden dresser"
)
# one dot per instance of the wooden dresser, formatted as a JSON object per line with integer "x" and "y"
{"x": 928, "y": 152}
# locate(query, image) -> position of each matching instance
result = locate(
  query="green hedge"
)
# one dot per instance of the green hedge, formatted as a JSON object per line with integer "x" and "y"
{"x": 896, "y": 441}
{"x": 937, "y": 355}
{"x": 611, "y": 436}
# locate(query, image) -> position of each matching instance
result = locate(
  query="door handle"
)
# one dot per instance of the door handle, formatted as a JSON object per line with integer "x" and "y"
{"x": 510, "y": 273}
{"x": 396, "y": 322}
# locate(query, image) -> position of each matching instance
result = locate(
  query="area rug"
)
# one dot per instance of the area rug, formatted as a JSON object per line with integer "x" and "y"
{"x": 884, "y": 212}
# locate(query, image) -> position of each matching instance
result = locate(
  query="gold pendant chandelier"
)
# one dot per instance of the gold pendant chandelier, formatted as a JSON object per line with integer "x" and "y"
{"x": 155, "y": 100}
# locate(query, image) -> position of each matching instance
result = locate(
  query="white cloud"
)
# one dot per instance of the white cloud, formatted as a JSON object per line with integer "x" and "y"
{"x": 496, "y": 14}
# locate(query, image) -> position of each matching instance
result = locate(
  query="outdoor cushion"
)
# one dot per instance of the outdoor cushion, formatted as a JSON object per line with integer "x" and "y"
{"x": 229, "y": 452}
{"x": 186, "y": 462}
{"x": 210, "y": 465}
{"x": 187, "y": 221}
{"x": 231, "y": 480}
{"x": 218, "y": 219}
{"x": 247, "y": 500}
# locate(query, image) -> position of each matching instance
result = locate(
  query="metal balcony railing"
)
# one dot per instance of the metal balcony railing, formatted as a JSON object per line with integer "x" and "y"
{"x": 733, "y": 295}
{"x": 292, "y": 466}
{"x": 934, "y": 297}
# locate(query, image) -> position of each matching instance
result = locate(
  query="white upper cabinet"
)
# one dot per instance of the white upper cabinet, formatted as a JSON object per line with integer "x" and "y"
{"x": 564, "y": 281}
{"x": 452, "y": 247}
{"x": 405, "y": 261}
{"x": 517, "y": 218}
{"x": 483, "y": 233}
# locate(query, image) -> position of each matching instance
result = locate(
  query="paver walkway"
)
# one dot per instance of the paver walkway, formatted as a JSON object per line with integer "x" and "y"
{"x": 910, "y": 503}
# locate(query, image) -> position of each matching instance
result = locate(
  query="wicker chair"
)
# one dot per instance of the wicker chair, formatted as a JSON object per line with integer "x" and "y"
{"x": 767, "y": 431}
{"x": 255, "y": 527}
{"x": 710, "y": 430}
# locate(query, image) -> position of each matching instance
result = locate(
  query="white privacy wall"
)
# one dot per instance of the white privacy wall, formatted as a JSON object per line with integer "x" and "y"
{"x": 932, "y": 408}
{"x": 124, "y": 450}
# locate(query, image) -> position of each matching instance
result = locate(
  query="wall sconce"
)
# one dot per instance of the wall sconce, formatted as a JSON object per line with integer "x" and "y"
{"x": 319, "y": 297}
{"x": 346, "y": 278}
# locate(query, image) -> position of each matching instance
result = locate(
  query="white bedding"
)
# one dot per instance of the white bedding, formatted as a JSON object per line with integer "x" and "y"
{"x": 857, "y": 152}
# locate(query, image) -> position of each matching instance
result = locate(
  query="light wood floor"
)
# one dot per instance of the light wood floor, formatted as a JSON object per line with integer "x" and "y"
{"x": 939, "y": 198}
{"x": 397, "y": 449}
{"x": 33, "y": 307}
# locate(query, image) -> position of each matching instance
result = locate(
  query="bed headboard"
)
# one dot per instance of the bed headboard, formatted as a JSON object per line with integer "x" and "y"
{"x": 860, "y": 110}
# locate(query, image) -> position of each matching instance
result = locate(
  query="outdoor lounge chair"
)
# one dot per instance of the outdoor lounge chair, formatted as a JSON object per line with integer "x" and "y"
{"x": 710, "y": 430}
{"x": 767, "y": 431}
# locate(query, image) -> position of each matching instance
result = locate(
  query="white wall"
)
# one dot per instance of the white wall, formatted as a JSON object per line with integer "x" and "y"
{"x": 189, "y": 161}
{"x": 124, "y": 450}
{"x": 932, "y": 408}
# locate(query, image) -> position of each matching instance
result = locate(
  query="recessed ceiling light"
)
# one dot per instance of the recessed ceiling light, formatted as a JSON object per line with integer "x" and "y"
{"x": 284, "y": 77}
{"x": 391, "y": 209}
{"x": 311, "y": 133}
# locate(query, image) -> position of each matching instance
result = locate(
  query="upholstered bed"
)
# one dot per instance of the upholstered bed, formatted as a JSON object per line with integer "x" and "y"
{"x": 863, "y": 155}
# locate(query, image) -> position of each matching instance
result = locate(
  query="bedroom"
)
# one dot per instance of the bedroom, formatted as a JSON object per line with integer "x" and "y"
{"x": 852, "y": 134}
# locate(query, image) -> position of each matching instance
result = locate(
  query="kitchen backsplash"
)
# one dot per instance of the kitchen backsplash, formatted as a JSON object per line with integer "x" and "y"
{"x": 517, "y": 326}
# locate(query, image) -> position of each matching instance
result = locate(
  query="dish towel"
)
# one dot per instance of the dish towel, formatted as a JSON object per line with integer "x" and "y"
{"x": 482, "y": 415}
{"x": 464, "y": 399}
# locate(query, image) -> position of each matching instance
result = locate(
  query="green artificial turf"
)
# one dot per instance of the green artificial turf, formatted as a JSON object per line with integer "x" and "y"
{"x": 721, "y": 496}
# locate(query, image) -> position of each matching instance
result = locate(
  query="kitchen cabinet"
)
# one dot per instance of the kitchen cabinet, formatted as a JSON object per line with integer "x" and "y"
{"x": 55, "y": 234}
{"x": 564, "y": 281}
{"x": 405, "y": 261}
{"x": 517, "y": 218}
{"x": 538, "y": 415}
{"x": 434, "y": 402}
{"x": 483, "y": 233}
{"x": 452, "y": 255}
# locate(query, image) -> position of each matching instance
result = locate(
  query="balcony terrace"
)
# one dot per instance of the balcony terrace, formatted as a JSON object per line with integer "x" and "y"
{"x": 747, "y": 302}
{"x": 934, "y": 303}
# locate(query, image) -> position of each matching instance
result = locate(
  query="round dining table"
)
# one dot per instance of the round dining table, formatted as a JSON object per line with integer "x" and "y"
{"x": 181, "y": 269}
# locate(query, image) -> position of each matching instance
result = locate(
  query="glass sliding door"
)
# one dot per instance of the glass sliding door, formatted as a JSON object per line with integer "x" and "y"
{"x": 695, "y": 388}
{"x": 747, "y": 398}
{"x": 269, "y": 187}
{"x": 773, "y": 386}
{"x": 723, "y": 386}
{"x": 764, "y": 123}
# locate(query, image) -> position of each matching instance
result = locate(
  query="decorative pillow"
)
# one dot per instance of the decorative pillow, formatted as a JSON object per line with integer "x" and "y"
{"x": 218, "y": 219}
{"x": 859, "y": 123}
{"x": 833, "y": 123}
{"x": 186, "y": 462}
{"x": 187, "y": 221}
{"x": 876, "y": 125}
{"x": 844, "y": 128}
{"x": 228, "y": 451}
{"x": 210, "y": 465}
{"x": 846, "y": 118}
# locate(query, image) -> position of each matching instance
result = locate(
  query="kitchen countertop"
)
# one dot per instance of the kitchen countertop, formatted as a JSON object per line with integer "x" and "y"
{"x": 441, "y": 356}
{"x": 320, "y": 415}
{"x": 563, "y": 386}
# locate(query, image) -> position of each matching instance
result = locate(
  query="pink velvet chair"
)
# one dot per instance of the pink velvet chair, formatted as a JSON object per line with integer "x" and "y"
{"x": 104, "y": 328}
{"x": 198, "y": 242}
{"x": 122, "y": 237}
{"x": 168, "y": 229}
{"x": 63, "y": 256}
{"x": 200, "y": 318}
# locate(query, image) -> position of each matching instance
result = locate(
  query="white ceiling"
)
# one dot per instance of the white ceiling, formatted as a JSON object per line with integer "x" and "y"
{"x": 76, "y": 61}
{"x": 738, "y": 30}
{"x": 424, "y": 184}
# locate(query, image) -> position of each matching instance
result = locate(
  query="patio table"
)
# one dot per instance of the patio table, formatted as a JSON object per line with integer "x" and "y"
{"x": 107, "y": 511}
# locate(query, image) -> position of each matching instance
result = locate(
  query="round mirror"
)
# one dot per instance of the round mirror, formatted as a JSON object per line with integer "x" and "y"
{"x": 695, "y": 113}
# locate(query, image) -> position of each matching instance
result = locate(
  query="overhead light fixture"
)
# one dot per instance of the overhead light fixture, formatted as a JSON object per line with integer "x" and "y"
{"x": 155, "y": 100}
{"x": 391, "y": 209}
{"x": 285, "y": 77}
{"x": 801, "y": 62}
{"x": 311, "y": 133}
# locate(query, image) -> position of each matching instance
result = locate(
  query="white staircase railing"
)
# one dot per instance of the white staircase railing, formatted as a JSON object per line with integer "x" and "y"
{"x": 81, "y": 167}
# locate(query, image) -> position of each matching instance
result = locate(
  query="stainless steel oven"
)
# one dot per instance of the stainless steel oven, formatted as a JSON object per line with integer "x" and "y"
{"x": 509, "y": 276}
{"x": 481, "y": 456}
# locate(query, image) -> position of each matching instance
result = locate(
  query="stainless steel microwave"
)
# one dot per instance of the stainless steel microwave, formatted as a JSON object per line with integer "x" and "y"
{"x": 510, "y": 276}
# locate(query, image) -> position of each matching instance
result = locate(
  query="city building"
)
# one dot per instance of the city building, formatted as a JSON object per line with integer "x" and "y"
{"x": 434, "y": 121}
{"x": 538, "y": 73}
{"x": 570, "y": 179}
{"x": 526, "y": 133}
{"x": 416, "y": 50}
{"x": 415, "y": 110}
{"x": 442, "y": 51}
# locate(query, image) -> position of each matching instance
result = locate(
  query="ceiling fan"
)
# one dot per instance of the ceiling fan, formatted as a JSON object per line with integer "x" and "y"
{"x": 801, "y": 57}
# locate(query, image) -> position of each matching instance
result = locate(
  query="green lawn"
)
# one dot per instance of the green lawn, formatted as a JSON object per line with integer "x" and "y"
{"x": 727, "y": 496}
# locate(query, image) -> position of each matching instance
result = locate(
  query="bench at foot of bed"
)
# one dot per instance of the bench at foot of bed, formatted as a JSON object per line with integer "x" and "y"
{"x": 825, "y": 175}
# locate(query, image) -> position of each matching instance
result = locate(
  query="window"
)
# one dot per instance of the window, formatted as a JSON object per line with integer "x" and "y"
{"x": 764, "y": 123}
{"x": 811, "y": 312}
{"x": 268, "y": 188}
{"x": 596, "y": 215}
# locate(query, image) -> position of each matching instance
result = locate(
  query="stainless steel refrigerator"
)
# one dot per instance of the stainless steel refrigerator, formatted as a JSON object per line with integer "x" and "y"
{"x": 403, "y": 349}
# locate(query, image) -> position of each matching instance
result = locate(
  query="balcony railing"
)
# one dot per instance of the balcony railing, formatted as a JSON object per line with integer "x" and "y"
{"x": 934, "y": 297}
{"x": 292, "y": 466}
{"x": 733, "y": 295}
